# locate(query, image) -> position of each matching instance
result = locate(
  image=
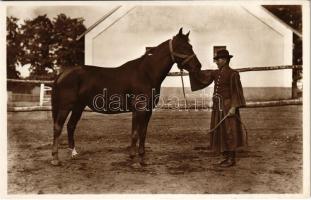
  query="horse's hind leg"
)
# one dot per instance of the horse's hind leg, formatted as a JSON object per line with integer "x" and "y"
{"x": 71, "y": 126}
{"x": 58, "y": 126}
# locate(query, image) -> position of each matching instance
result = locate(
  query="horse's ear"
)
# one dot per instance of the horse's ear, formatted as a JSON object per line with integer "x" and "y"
{"x": 188, "y": 34}
{"x": 180, "y": 31}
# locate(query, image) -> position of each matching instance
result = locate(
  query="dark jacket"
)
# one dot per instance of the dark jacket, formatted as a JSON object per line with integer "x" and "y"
{"x": 228, "y": 92}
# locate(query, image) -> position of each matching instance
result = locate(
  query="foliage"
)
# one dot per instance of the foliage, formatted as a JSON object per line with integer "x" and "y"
{"x": 290, "y": 14}
{"x": 68, "y": 51}
{"x": 44, "y": 44}
{"x": 13, "y": 47}
{"x": 36, "y": 42}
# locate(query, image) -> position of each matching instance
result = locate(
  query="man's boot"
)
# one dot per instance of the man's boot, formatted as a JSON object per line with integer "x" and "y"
{"x": 225, "y": 155}
{"x": 230, "y": 161}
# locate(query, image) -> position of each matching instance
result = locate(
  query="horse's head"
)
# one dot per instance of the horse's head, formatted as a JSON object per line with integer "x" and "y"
{"x": 182, "y": 52}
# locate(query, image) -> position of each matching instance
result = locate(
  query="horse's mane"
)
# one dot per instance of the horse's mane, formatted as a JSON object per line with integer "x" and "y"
{"x": 135, "y": 61}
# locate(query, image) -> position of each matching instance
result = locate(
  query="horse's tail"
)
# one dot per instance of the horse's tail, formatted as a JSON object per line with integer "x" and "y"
{"x": 54, "y": 99}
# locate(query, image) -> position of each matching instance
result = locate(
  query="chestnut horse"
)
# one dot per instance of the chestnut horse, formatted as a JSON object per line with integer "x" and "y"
{"x": 133, "y": 87}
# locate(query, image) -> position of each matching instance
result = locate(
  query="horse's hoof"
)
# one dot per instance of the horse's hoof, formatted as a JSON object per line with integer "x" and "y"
{"x": 74, "y": 153}
{"x": 55, "y": 162}
{"x": 75, "y": 156}
{"x": 132, "y": 153}
{"x": 135, "y": 165}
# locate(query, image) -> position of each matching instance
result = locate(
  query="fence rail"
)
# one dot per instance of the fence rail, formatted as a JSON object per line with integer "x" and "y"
{"x": 293, "y": 101}
{"x": 251, "y": 104}
{"x": 30, "y": 81}
{"x": 249, "y": 69}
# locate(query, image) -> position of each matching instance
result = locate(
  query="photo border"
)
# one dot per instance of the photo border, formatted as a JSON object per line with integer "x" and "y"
{"x": 306, "y": 101}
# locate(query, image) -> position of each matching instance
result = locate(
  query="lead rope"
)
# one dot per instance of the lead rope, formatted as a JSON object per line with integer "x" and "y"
{"x": 186, "y": 101}
{"x": 183, "y": 86}
{"x": 193, "y": 121}
{"x": 245, "y": 129}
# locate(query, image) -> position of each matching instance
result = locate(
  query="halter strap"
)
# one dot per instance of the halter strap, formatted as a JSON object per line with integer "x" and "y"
{"x": 171, "y": 50}
{"x": 186, "y": 58}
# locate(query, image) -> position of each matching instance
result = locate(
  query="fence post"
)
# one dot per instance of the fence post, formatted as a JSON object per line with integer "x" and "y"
{"x": 295, "y": 78}
{"x": 41, "y": 94}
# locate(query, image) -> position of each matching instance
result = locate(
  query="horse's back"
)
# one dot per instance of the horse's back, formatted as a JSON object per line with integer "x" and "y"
{"x": 67, "y": 76}
{"x": 86, "y": 73}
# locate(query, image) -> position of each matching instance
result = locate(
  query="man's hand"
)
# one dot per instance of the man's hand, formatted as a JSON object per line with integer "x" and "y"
{"x": 232, "y": 111}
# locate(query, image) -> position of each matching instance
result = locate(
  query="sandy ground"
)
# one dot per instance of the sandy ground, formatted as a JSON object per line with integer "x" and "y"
{"x": 175, "y": 150}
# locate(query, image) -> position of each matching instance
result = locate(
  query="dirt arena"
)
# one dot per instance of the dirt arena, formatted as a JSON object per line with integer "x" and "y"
{"x": 178, "y": 161}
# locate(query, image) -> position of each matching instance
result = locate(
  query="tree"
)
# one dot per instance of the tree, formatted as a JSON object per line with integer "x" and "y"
{"x": 37, "y": 39}
{"x": 69, "y": 51}
{"x": 13, "y": 46}
{"x": 45, "y": 45}
{"x": 292, "y": 16}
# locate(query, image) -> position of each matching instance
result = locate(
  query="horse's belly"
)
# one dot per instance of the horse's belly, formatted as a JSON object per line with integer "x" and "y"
{"x": 106, "y": 108}
{"x": 120, "y": 103}
{"x": 114, "y": 97}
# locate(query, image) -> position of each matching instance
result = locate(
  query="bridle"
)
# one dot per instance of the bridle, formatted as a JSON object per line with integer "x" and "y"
{"x": 186, "y": 58}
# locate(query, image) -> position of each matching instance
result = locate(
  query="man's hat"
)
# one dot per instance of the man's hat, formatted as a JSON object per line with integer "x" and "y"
{"x": 222, "y": 54}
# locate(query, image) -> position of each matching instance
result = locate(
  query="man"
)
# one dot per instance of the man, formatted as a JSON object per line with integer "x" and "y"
{"x": 227, "y": 99}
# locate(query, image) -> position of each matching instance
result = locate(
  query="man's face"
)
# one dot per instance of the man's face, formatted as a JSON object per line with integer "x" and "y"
{"x": 221, "y": 62}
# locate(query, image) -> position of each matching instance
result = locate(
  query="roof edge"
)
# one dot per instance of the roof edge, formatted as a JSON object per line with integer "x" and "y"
{"x": 98, "y": 22}
{"x": 267, "y": 18}
{"x": 298, "y": 33}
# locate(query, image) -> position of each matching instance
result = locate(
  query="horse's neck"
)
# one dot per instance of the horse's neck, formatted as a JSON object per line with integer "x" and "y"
{"x": 159, "y": 64}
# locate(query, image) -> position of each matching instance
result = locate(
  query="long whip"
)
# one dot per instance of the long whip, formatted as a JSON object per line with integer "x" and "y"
{"x": 221, "y": 121}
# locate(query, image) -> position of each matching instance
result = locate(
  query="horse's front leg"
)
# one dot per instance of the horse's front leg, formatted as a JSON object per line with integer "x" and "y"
{"x": 134, "y": 136}
{"x": 142, "y": 120}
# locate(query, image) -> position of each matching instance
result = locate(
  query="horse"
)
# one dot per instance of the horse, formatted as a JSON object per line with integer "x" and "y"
{"x": 132, "y": 87}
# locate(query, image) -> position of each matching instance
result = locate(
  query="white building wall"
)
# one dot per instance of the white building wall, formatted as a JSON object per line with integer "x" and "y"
{"x": 249, "y": 39}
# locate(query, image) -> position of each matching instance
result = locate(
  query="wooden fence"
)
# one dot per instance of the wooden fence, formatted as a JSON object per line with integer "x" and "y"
{"x": 293, "y": 101}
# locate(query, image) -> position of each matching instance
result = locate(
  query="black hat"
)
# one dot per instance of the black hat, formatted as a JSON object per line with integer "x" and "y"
{"x": 222, "y": 54}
